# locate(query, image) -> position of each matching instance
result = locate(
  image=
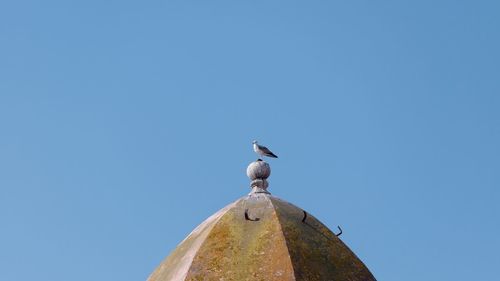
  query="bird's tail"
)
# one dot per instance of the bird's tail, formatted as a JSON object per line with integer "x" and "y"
{"x": 271, "y": 155}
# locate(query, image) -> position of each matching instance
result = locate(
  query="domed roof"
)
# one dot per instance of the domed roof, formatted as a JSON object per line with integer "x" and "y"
{"x": 261, "y": 237}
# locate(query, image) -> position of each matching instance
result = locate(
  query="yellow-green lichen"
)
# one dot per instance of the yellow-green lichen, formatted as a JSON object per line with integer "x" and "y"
{"x": 276, "y": 247}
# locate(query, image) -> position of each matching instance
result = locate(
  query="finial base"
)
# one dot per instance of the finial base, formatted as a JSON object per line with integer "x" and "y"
{"x": 259, "y": 186}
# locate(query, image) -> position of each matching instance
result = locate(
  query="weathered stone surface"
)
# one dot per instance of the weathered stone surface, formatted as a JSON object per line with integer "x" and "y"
{"x": 277, "y": 246}
{"x": 258, "y": 170}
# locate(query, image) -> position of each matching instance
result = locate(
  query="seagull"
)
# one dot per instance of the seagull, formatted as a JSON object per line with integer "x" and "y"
{"x": 262, "y": 150}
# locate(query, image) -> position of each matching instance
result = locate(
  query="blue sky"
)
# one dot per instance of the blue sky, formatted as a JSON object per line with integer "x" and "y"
{"x": 124, "y": 124}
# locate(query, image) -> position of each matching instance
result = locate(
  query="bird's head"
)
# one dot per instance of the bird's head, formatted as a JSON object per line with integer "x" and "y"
{"x": 254, "y": 142}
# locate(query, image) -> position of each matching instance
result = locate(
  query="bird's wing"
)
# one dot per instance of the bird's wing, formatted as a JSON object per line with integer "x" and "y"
{"x": 266, "y": 150}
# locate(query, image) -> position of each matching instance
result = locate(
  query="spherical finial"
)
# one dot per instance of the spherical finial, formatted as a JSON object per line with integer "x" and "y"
{"x": 258, "y": 172}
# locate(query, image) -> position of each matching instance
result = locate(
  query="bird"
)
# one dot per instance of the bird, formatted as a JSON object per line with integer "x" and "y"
{"x": 262, "y": 150}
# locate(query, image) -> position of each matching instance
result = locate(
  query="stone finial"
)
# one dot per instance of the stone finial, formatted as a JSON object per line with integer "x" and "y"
{"x": 258, "y": 172}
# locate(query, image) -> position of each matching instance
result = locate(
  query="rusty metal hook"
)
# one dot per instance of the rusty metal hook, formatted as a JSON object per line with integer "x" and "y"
{"x": 339, "y": 232}
{"x": 304, "y": 221}
{"x": 248, "y": 218}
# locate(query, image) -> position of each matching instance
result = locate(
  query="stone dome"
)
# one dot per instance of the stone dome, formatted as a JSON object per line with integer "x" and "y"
{"x": 261, "y": 237}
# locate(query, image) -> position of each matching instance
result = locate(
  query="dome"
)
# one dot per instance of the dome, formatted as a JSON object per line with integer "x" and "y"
{"x": 261, "y": 237}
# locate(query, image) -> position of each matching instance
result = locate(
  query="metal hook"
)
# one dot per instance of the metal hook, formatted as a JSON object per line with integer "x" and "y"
{"x": 248, "y": 218}
{"x": 304, "y": 221}
{"x": 339, "y": 232}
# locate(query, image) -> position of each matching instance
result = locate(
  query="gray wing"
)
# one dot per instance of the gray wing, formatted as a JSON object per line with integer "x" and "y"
{"x": 266, "y": 151}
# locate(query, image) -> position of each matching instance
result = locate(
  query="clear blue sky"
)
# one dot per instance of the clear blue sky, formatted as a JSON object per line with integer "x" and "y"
{"x": 124, "y": 124}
